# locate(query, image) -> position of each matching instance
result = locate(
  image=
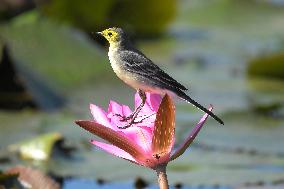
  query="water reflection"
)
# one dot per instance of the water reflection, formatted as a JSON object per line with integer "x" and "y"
{"x": 88, "y": 184}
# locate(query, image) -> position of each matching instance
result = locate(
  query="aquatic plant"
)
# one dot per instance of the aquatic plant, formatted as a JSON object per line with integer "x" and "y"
{"x": 149, "y": 142}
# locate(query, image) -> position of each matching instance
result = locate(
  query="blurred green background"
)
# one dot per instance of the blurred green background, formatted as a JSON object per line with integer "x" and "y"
{"x": 230, "y": 53}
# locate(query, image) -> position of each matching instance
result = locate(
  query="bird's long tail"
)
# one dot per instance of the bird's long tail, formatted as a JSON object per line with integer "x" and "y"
{"x": 199, "y": 106}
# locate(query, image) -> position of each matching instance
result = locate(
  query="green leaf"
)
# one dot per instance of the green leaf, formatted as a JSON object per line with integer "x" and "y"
{"x": 38, "y": 148}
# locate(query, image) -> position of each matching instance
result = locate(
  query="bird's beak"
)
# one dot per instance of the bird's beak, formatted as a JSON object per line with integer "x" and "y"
{"x": 99, "y": 33}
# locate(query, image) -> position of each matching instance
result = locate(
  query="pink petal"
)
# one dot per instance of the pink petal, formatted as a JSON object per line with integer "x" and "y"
{"x": 115, "y": 122}
{"x": 114, "y": 150}
{"x": 126, "y": 110}
{"x": 182, "y": 148}
{"x": 141, "y": 135}
{"x": 151, "y": 107}
{"x": 154, "y": 101}
{"x": 99, "y": 115}
{"x": 114, "y": 108}
{"x": 146, "y": 108}
{"x": 116, "y": 138}
{"x": 137, "y": 99}
{"x": 147, "y": 119}
{"x": 164, "y": 130}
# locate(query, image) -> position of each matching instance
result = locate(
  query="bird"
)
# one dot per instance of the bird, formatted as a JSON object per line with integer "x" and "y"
{"x": 140, "y": 73}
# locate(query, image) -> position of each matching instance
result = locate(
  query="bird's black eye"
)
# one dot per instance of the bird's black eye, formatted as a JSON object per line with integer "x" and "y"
{"x": 109, "y": 34}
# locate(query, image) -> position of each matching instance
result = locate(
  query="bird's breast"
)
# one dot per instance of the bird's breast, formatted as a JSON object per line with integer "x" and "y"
{"x": 117, "y": 66}
{"x": 115, "y": 61}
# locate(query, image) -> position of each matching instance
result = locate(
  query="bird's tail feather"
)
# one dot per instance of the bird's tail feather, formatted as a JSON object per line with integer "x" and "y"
{"x": 199, "y": 106}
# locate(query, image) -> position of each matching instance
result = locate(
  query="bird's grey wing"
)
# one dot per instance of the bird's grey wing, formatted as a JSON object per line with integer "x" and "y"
{"x": 136, "y": 62}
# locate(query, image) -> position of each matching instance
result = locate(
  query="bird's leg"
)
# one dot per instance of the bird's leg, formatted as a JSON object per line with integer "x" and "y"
{"x": 134, "y": 114}
{"x": 137, "y": 110}
{"x": 146, "y": 117}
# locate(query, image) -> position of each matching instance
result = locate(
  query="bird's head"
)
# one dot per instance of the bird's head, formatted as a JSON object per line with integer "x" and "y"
{"x": 113, "y": 35}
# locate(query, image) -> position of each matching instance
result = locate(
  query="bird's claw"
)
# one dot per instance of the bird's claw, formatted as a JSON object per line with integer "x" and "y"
{"x": 130, "y": 124}
{"x": 134, "y": 122}
{"x": 124, "y": 118}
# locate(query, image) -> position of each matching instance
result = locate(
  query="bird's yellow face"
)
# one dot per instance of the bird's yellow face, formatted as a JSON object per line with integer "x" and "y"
{"x": 111, "y": 35}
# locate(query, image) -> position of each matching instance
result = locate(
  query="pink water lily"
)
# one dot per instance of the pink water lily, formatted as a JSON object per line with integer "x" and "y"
{"x": 149, "y": 143}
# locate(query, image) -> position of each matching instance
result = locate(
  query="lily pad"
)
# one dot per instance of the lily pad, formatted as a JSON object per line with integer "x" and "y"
{"x": 32, "y": 178}
{"x": 93, "y": 15}
{"x": 8, "y": 180}
{"x": 54, "y": 52}
{"x": 270, "y": 66}
{"x": 85, "y": 15}
{"x": 39, "y": 148}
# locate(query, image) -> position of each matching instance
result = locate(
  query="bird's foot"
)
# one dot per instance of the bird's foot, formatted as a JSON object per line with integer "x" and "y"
{"x": 124, "y": 118}
{"x": 132, "y": 122}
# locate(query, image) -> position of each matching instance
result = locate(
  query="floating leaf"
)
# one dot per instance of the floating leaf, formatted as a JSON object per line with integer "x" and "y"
{"x": 38, "y": 148}
{"x": 9, "y": 180}
{"x": 270, "y": 66}
{"x": 32, "y": 178}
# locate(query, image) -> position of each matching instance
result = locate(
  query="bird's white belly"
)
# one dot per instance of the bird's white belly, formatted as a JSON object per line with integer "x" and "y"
{"x": 130, "y": 78}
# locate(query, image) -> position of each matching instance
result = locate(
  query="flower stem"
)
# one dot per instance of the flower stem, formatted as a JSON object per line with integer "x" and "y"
{"x": 162, "y": 176}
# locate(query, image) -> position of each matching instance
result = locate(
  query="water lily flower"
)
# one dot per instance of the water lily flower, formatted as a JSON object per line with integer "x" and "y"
{"x": 148, "y": 143}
